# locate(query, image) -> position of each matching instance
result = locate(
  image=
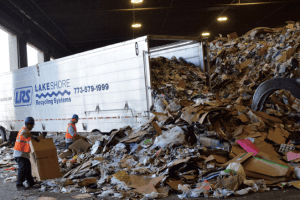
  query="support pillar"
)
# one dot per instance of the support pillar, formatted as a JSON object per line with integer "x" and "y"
{"x": 13, "y": 52}
{"x": 47, "y": 56}
{"x": 22, "y": 51}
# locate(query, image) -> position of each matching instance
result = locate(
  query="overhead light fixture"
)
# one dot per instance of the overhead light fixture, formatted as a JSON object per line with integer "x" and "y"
{"x": 136, "y": 25}
{"x": 205, "y": 34}
{"x": 222, "y": 19}
{"x": 136, "y": 1}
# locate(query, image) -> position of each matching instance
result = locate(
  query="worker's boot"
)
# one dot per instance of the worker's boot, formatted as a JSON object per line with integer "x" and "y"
{"x": 35, "y": 186}
{"x": 21, "y": 188}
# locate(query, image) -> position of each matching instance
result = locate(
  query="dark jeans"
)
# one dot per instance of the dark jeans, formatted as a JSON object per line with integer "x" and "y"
{"x": 24, "y": 172}
{"x": 68, "y": 144}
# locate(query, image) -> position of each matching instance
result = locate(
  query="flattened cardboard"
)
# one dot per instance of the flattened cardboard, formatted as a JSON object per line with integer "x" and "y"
{"x": 86, "y": 182}
{"x": 139, "y": 180}
{"x": 273, "y": 180}
{"x": 164, "y": 191}
{"x": 65, "y": 154}
{"x": 150, "y": 187}
{"x": 236, "y": 150}
{"x": 276, "y": 136}
{"x": 160, "y": 116}
{"x": 44, "y": 161}
{"x": 155, "y": 181}
{"x": 146, "y": 189}
{"x": 134, "y": 137}
{"x": 78, "y": 137}
{"x": 174, "y": 184}
{"x": 244, "y": 64}
{"x": 123, "y": 176}
{"x": 233, "y": 35}
{"x": 283, "y": 132}
{"x": 82, "y": 196}
{"x": 191, "y": 114}
{"x": 267, "y": 148}
{"x": 265, "y": 167}
{"x": 219, "y": 159}
{"x": 156, "y": 127}
{"x": 243, "y": 118}
{"x": 239, "y": 158}
{"x": 80, "y": 146}
{"x": 268, "y": 117}
{"x": 99, "y": 158}
{"x": 296, "y": 184}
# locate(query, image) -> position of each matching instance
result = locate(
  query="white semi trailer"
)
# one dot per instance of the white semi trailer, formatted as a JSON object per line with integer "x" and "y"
{"x": 109, "y": 87}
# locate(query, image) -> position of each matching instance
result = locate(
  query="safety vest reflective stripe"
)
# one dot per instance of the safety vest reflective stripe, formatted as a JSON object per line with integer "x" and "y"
{"x": 22, "y": 144}
{"x": 22, "y": 141}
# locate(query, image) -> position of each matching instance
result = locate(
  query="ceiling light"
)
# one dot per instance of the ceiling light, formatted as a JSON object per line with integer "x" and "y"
{"x": 136, "y": 1}
{"x": 222, "y": 19}
{"x": 205, "y": 34}
{"x": 136, "y": 25}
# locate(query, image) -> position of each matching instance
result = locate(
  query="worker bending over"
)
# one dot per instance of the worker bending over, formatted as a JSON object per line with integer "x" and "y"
{"x": 71, "y": 131}
{"x": 22, "y": 156}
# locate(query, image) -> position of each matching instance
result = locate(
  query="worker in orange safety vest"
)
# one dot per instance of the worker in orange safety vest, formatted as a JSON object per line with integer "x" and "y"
{"x": 71, "y": 131}
{"x": 22, "y": 156}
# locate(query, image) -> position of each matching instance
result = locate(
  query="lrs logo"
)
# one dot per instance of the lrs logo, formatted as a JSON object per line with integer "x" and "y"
{"x": 23, "y": 96}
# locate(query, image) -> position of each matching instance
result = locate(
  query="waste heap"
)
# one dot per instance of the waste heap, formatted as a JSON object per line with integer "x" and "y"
{"x": 240, "y": 64}
{"x": 176, "y": 78}
{"x": 200, "y": 143}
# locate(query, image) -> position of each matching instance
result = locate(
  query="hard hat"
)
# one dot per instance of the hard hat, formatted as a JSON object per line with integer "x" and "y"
{"x": 29, "y": 120}
{"x": 75, "y": 117}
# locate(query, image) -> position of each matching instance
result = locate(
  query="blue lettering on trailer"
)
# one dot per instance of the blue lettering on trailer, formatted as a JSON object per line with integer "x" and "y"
{"x": 52, "y": 85}
{"x": 45, "y": 98}
{"x": 23, "y": 96}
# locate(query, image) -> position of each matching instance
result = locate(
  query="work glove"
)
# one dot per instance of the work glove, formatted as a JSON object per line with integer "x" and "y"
{"x": 36, "y": 139}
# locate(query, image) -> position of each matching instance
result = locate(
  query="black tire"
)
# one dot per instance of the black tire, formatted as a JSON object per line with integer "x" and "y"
{"x": 12, "y": 135}
{"x": 96, "y": 132}
{"x": 3, "y": 133}
{"x": 112, "y": 131}
{"x": 45, "y": 134}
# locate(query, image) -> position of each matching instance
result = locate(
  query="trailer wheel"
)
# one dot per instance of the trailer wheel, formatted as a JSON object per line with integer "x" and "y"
{"x": 44, "y": 133}
{"x": 97, "y": 132}
{"x": 3, "y": 134}
{"x": 112, "y": 131}
{"x": 12, "y": 135}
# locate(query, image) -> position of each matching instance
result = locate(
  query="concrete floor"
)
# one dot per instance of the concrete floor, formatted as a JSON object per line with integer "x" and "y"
{"x": 8, "y": 192}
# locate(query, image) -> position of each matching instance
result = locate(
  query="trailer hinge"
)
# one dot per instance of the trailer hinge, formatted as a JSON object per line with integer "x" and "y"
{"x": 137, "y": 51}
{"x": 98, "y": 108}
{"x": 11, "y": 127}
{"x": 84, "y": 126}
{"x": 126, "y": 106}
{"x": 43, "y": 126}
{"x": 38, "y": 69}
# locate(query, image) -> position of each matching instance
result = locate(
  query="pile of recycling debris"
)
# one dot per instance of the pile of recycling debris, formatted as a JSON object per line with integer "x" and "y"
{"x": 199, "y": 143}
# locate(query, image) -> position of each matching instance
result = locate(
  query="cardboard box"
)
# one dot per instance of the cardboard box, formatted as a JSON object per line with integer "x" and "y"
{"x": 44, "y": 161}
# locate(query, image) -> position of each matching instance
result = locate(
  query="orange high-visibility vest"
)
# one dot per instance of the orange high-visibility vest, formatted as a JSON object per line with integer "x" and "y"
{"x": 22, "y": 144}
{"x": 68, "y": 135}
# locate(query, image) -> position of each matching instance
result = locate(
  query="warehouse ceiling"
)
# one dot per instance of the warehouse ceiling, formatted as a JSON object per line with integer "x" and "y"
{"x": 75, "y": 26}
